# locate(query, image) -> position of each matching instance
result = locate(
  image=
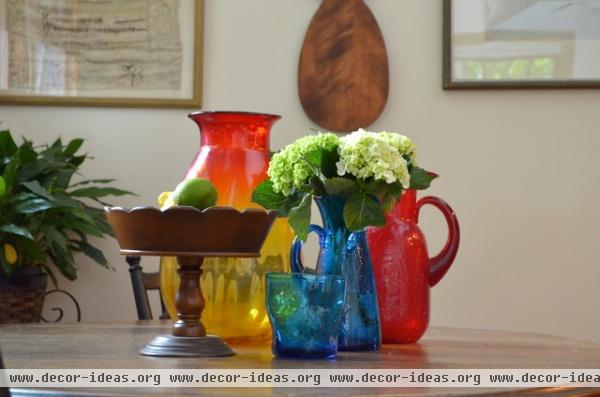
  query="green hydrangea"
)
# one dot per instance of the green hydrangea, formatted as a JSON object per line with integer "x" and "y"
{"x": 288, "y": 171}
{"x": 367, "y": 154}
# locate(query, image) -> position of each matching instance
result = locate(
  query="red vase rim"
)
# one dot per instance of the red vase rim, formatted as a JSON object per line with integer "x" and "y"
{"x": 267, "y": 116}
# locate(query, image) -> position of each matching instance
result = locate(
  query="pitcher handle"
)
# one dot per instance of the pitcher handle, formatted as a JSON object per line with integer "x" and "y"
{"x": 439, "y": 264}
{"x": 295, "y": 252}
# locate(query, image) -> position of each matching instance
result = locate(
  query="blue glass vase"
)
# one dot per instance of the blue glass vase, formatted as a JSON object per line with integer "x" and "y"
{"x": 345, "y": 253}
{"x": 305, "y": 312}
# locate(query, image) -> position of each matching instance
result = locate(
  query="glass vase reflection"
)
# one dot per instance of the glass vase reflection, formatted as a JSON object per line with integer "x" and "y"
{"x": 305, "y": 311}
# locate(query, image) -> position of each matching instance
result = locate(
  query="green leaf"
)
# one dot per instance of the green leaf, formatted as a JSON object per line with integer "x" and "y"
{"x": 88, "y": 181}
{"x": 63, "y": 200}
{"x": 33, "y": 205}
{"x": 339, "y": 186}
{"x": 265, "y": 195}
{"x": 33, "y": 250}
{"x": 268, "y": 198}
{"x": 61, "y": 180}
{"x": 83, "y": 216}
{"x": 99, "y": 192}
{"x": 76, "y": 161}
{"x": 100, "y": 221}
{"x": 76, "y": 224}
{"x": 314, "y": 160}
{"x": 103, "y": 203}
{"x": 10, "y": 173}
{"x": 299, "y": 217}
{"x": 66, "y": 265}
{"x": 390, "y": 195}
{"x": 8, "y": 147}
{"x": 374, "y": 187}
{"x": 362, "y": 210}
{"x": 35, "y": 187}
{"x": 73, "y": 146}
{"x": 31, "y": 170}
{"x": 41, "y": 166}
{"x": 395, "y": 190}
{"x": 105, "y": 228}
{"x": 50, "y": 274}
{"x": 420, "y": 179}
{"x": 16, "y": 230}
{"x": 92, "y": 252}
{"x": 56, "y": 240}
{"x": 388, "y": 202}
{"x": 323, "y": 162}
{"x": 57, "y": 144}
{"x": 23, "y": 196}
{"x": 328, "y": 165}
{"x": 26, "y": 154}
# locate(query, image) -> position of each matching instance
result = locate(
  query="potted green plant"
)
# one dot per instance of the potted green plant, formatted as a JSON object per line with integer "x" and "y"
{"x": 45, "y": 219}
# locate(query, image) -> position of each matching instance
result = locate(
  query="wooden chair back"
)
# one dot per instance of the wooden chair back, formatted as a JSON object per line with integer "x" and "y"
{"x": 142, "y": 283}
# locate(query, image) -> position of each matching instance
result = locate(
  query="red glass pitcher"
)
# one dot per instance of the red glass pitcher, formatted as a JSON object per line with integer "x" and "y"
{"x": 404, "y": 272}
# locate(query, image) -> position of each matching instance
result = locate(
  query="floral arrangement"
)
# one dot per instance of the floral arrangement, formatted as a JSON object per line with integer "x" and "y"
{"x": 369, "y": 169}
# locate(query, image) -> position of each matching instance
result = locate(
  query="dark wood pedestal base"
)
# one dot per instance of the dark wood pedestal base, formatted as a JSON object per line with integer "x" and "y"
{"x": 187, "y": 346}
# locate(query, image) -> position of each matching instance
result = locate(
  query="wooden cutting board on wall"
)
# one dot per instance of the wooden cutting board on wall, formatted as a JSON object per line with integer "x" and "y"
{"x": 343, "y": 74}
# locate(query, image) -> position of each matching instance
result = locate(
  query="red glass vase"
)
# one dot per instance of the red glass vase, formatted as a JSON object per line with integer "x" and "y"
{"x": 234, "y": 153}
{"x": 234, "y": 156}
{"x": 404, "y": 272}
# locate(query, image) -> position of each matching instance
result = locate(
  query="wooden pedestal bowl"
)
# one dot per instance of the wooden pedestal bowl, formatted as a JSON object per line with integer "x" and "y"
{"x": 190, "y": 235}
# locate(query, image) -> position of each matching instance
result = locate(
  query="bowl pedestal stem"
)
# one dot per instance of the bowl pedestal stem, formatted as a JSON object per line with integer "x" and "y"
{"x": 188, "y": 336}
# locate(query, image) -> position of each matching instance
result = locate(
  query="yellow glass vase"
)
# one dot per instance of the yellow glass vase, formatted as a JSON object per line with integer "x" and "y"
{"x": 234, "y": 155}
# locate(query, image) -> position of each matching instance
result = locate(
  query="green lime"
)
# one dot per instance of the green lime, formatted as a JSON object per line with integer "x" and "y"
{"x": 195, "y": 192}
{"x": 2, "y": 186}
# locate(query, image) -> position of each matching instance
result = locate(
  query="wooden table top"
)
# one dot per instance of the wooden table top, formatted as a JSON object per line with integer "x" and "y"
{"x": 116, "y": 345}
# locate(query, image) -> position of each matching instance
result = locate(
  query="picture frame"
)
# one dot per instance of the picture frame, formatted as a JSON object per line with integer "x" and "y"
{"x": 509, "y": 44}
{"x": 114, "y": 53}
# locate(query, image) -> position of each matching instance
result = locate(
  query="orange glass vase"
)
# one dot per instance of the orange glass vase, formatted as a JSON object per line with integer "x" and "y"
{"x": 234, "y": 155}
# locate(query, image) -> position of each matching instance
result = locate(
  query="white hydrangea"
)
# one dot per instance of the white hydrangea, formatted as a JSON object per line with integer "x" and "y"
{"x": 402, "y": 143}
{"x": 366, "y": 154}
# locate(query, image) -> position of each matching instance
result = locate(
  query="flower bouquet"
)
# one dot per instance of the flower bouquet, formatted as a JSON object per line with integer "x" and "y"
{"x": 354, "y": 180}
{"x": 370, "y": 170}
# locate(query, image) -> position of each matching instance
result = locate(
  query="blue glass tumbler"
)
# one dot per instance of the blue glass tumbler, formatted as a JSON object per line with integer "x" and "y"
{"x": 305, "y": 311}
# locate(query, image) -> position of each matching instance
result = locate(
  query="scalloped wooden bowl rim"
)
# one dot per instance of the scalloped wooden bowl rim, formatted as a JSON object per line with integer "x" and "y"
{"x": 270, "y": 216}
{"x": 108, "y": 209}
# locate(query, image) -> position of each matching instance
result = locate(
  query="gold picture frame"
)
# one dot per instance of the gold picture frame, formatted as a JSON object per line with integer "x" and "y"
{"x": 109, "y": 54}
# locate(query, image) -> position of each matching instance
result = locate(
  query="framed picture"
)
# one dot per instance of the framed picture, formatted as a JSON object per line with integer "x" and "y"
{"x": 138, "y": 53}
{"x": 521, "y": 44}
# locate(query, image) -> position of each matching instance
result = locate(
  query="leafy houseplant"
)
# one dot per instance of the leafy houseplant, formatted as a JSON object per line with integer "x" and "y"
{"x": 45, "y": 218}
{"x": 368, "y": 170}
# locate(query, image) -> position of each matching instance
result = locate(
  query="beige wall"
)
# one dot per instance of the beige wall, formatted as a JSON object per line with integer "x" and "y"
{"x": 519, "y": 167}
